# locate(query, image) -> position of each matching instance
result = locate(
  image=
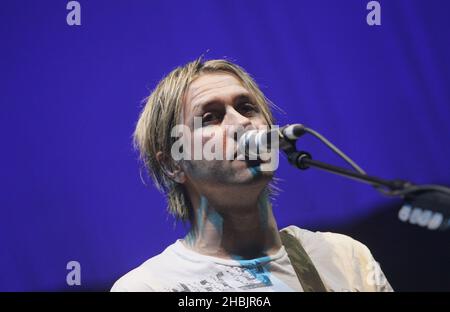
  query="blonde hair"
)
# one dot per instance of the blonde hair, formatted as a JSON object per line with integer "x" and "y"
{"x": 162, "y": 111}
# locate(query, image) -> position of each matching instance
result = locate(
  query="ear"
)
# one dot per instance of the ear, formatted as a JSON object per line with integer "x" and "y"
{"x": 170, "y": 168}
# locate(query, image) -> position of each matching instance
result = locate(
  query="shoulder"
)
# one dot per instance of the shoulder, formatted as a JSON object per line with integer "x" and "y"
{"x": 327, "y": 242}
{"x": 342, "y": 260}
{"x": 146, "y": 277}
{"x": 137, "y": 280}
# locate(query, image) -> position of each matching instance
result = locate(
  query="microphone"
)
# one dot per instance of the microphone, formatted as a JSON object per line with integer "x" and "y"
{"x": 253, "y": 143}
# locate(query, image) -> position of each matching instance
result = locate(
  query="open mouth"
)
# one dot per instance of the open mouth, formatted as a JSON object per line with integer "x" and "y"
{"x": 254, "y": 163}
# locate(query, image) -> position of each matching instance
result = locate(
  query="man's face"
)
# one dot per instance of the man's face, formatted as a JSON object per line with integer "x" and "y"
{"x": 221, "y": 104}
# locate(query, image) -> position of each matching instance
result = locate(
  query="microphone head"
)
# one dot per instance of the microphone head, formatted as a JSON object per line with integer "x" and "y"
{"x": 254, "y": 143}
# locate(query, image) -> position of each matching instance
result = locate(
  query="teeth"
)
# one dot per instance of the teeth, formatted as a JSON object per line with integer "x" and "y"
{"x": 240, "y": 157}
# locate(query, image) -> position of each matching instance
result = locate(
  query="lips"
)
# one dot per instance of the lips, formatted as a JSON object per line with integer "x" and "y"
{"x": 249, "y": 162}
{"x": 254, "y": 163}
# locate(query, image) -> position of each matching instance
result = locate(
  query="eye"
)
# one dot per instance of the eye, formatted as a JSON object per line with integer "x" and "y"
{"x": 210, "y": 118}
{"x": 247, "y": 109}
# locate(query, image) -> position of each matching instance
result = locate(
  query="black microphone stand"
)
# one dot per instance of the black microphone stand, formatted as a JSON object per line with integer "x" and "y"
{"x": 303, "y": 160}
{"x": 438, "y": 197}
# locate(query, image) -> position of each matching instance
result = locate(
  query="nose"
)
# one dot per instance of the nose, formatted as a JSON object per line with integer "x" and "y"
{"x": 236, "y": 123}
{"x": 234, "y": 118}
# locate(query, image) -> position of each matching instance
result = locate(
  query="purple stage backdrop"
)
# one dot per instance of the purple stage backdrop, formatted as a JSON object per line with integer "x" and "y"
{"x": 70, "y": 97}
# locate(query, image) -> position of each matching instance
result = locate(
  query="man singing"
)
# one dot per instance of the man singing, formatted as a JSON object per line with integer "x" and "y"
{"x": 234, "y": 243}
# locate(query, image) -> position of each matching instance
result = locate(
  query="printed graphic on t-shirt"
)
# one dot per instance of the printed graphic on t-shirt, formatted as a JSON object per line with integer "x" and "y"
{"x": 229, "y": 279}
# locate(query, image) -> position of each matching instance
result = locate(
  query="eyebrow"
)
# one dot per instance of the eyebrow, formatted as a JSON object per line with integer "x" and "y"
{"x": 238, "y": 98}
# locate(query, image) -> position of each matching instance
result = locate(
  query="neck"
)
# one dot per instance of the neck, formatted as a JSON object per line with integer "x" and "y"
{"x": 247, "y": 232}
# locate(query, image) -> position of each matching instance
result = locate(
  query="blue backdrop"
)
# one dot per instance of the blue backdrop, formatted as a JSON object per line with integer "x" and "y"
{"x": 70, "y": 97}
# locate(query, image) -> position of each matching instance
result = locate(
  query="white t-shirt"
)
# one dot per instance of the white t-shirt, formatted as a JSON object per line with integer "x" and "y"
{"x": 343, "y": 264}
